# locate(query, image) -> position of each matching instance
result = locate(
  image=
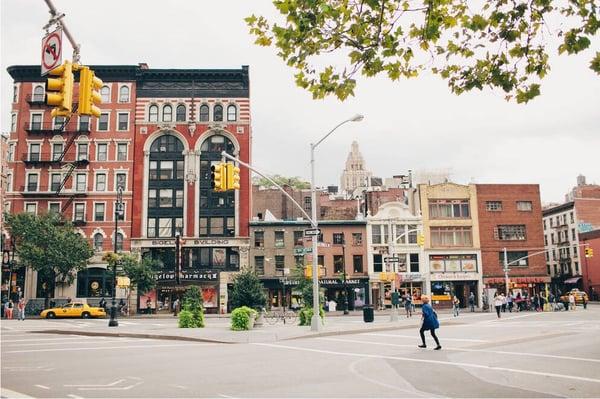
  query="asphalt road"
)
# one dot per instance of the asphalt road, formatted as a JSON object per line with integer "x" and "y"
{"x": 521, "y": 355}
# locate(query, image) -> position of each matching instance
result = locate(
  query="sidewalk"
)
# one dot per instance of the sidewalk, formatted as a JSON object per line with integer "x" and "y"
{"x": 217, "y": 330}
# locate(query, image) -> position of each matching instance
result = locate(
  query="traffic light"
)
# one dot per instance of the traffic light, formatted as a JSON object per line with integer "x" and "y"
{"x": 421, "y": 240}
{"x": 589, "y": 252}
{"x": 308, "y": 271}
{"x": 233, "y": 177}
{"x": 218, "y": 177}
{"x": 59, "y": 91}
{"x": 89, "y": 97}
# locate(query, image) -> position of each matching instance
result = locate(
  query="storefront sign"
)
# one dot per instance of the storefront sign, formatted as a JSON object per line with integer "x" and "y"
{"x": 410, "y": 277}
{"x": 453, "y": 276}
{"x": 188, "y": 242}
{"x": 453, "y": 263}
{"x": 329, "y": 282}
{"x": 189, "y": 275}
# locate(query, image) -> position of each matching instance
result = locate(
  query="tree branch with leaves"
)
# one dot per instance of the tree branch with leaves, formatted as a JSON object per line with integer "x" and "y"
{"x": 501, "y": 44}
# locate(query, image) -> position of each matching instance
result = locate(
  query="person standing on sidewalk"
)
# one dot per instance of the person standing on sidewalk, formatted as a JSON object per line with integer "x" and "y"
{"x": 408, "y": 304}
{"x": 572, "y": 301}
{"x": 472, "y": 301}
{"x": 498, "y": 300}
{"x": 509, "y": 302}
{"x": 21, "y": 308}
{"x": 429, "y": 322}
{"x": 455, "y": 306}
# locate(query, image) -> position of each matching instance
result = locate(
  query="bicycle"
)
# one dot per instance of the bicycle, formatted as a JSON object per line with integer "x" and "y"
{"x": 287, "y": 316}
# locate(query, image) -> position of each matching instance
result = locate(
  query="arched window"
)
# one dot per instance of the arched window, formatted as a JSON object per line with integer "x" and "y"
{"x": 218, "y": 113}
{"x": 98, "y": 241}
{"x": 153, "y": 113}
{"x": 217, "y": 210}
{"x": 165, "y": 187}
{"x": 231, "y": 113}
{"x": 119, "y": 242}
{"x": 180, "y": 113}
{"x": 124, "y": 94}
{"x": 38, "y": 93}
{"x": 94, "y": 282}
{"x": 105, "y": 94}
{"x": 167, "y": 115}
{"x": 204, "y": 113}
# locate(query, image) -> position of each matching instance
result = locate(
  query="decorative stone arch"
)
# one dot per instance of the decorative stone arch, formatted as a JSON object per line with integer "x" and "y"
{"x": 80, "y": 232}
{"x": 160, "y": 132}
{"x": 218, "y": 132}
{"x": 98, "y": 230}
{"x": 119, "y": 230}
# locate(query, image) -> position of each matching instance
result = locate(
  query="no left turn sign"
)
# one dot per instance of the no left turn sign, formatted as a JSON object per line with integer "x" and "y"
{"x": 51, "y": 51}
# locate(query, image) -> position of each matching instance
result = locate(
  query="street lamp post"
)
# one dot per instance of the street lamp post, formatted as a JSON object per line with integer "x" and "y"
{"x": 177, "y": 255}
{"x": 118, "y": 213}
{"x": 315, "y": 323}
{"x": 344, "y": 273}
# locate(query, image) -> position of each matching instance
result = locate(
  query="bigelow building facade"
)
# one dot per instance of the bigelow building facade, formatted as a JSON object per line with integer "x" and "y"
{"x": 158, "y": 135}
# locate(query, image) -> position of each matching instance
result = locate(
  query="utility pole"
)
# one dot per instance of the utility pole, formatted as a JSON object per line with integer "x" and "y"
{"x": 506, "y": 271}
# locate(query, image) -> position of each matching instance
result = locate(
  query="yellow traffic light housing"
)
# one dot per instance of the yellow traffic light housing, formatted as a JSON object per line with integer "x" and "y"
{"x": 589, "y": 252}
{"x": 421, "y": 240}
{"x": 89, "y": 96}
{"x": 59, "y": 91}
{"x": 218, "y": 177}
{"x": 308, "y": 271}
{"x": 233, "y": 177}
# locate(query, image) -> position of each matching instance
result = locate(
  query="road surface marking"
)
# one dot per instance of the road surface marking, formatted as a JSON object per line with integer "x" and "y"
{"x": 582, "y": 359}
{"x": 74, "y": 396}
{"x": 105, "y": 347}
{"x": 80, "y": 342}
{"x": 7, "y": 393}
{"x": 439, "y": 362}
{"x": 352, "y": 368}
{"x": 50, "y": 339}
{"x": 42, "y": 386}
{"x": 112, "y": 386}
{"x": 416, "y": 336}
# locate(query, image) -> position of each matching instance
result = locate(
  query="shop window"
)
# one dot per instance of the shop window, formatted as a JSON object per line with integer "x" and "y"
{"x": 94, "y": 282}
{"x": 357, "y": 263}
{"x": 259, "y": 239}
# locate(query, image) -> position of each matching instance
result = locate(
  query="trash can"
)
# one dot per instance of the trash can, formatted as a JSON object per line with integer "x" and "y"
{"x": 368, "y": 315}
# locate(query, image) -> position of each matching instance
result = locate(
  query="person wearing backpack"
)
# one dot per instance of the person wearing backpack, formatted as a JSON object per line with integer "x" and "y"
{"x": 429, "y": 322}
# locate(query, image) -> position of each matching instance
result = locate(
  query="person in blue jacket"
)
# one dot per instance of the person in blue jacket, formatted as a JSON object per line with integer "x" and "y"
{"x": 429, "y": 322}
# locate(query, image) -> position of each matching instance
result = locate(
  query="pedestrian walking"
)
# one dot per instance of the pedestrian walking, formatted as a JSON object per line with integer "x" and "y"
{"x": 542, "y": 302}
{"x": 21, "y": 308}
{"x": 584, "y": 299}
{"x": 8, "y": 310}
{"x": 498, "y": 300}
{"x": 148, "y": 306}
{"x": 408, "y": 304}
{"x": 175, "y": 306}
{"x": 472, "y": 301}
{"x": 503, "y": 303}
{"x": 536, "y": 302}
{"x": 572, "y": 301}
{"x": 509, "y": 302}
{"x": 455, "y": 306}
{"x": 429, "y": 322}
{"x": 102, "y": 303}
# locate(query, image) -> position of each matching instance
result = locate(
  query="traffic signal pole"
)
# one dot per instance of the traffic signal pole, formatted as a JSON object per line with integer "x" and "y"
{"x": 57, "y": 18}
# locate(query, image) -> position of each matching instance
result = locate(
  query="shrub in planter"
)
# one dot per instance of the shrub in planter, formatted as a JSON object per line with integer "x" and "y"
{"x": 242, "y": 318}
{"x": 307, "y": 313}
{"x": 192, "y": 315}
{"x": 186, "y": 319}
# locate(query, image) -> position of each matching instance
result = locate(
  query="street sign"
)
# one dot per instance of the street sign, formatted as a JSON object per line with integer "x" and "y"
{"x": 391, "y": 260}
{"x": 312, "y": 232}
{"x": 51, "y": 51}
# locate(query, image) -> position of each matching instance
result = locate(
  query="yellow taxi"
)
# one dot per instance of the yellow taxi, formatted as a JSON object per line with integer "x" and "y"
{"x": 74, "y": 309}
{"x": 579, "y": 295}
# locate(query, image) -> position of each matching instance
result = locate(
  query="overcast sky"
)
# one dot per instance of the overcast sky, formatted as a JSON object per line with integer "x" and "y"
{"x": 416, "y": 124}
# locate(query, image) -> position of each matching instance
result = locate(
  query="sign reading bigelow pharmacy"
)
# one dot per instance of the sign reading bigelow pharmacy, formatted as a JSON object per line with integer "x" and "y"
{"x": 189, "y": 275}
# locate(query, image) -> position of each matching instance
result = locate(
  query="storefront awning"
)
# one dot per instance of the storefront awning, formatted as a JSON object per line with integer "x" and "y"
{"x": 572, "y": 280}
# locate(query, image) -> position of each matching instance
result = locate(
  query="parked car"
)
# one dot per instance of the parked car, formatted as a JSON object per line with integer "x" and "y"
{"x": 579, "y": 295}
{"x": 74, "y": 309}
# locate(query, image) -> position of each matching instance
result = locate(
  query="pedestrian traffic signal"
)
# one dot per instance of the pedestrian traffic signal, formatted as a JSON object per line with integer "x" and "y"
{"x": 218, "y": 177}
{"x": 233, "y": 177}
{"x": 589, "y": 252}
{"x": 89, "y": 96}
{"x": 421, "y": 240}
{"x": 59, "y": 91}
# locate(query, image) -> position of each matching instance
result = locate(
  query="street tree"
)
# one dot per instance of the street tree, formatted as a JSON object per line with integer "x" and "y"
{"x": 248, "y": 291}
{"x": 471, "y": 44}
{"x": 49, "y": 245}
{"x": 294, "y": 182}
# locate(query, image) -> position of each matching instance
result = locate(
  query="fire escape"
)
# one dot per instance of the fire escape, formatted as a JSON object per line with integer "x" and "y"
{"x": 69, "y": 127}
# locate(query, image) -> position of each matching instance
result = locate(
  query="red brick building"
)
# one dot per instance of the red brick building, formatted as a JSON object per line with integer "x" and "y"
{"x": 510, "y": 216}
{"x": 591, "y": 265}
{"x": 158, "y": 135}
